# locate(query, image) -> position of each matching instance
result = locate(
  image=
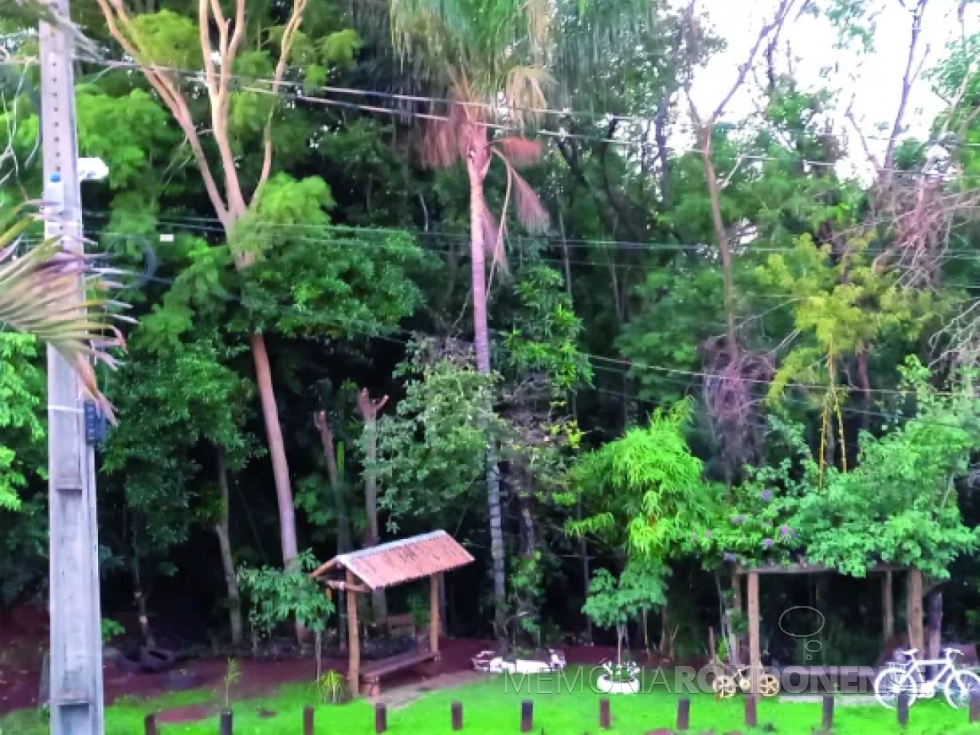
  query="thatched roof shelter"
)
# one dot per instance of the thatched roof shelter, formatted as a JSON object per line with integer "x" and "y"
{"x": 386, "y": 565}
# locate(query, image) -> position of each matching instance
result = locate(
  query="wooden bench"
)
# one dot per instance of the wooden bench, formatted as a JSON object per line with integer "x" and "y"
{"x": 373, "y": 673}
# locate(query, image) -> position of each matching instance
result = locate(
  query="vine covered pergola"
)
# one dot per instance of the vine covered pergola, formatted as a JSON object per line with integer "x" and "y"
{"x": 914, "y": 613}
{"x": 388, "y": 565}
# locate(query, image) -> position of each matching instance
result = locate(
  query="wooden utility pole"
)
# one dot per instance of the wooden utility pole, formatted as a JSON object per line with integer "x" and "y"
{"x": 76, "y": 640}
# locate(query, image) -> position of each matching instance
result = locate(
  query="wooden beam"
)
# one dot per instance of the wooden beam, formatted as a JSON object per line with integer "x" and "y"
{"x": 887, "y": 606}
{"x": 755, "y": 648}
{"x": 354, "y": 643}
{"x": 813, "y": 569}
{"x": 914, "y": 610}
{"x": 323, "y": 568}
{"x": 341, "y": 585}
{"x": 434, "y": 613}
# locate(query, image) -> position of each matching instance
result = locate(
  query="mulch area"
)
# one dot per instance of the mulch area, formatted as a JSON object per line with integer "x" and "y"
{"x": 20, "y": 681}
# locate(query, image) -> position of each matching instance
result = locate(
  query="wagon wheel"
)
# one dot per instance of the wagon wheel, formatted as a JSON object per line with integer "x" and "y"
{"x": 724, "y": 686}
{"x": 769, "y": 685}
{"x": 744, "y": 682}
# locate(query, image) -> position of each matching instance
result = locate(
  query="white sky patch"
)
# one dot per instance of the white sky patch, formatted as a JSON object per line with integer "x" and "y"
{"x": 873, "y": 81}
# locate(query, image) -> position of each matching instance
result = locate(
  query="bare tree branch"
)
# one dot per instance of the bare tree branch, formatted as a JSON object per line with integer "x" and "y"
{"x": 908, "y": 80}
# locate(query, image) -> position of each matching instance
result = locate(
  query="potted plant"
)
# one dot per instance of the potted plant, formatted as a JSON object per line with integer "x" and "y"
{"x": 613, "y": 603}
{"x": 619, "y": 678}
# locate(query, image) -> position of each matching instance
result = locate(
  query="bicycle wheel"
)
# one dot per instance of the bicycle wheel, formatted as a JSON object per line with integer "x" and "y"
{"x": 892, "y": 682}
{"x": 960, "y": 687}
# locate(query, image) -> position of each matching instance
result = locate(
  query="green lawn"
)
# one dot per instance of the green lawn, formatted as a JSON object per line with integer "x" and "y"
{"x": 490, "y": 710}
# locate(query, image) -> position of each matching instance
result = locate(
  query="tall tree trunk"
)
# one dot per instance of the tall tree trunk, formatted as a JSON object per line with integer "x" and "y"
{"x": 344, "y": 540}
{"x": 476, "y": 165}
{"x": 369, "y": 414}
{"x": 573, "y": 404}
{"x": 222, "y": 531}
{"x": 277, "y": 450}
{"x": 724, "y": 248}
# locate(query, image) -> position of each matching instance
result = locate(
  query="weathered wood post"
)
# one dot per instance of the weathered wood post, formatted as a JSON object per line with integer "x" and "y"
{"x": 605, "y": 718}
{"x": 527, "y": 715}
{"x": 683, "y": 714}
{"x": 308, "y": 721}
{"x": 974, "y": 706}
{"x": 828, "y": 713}
{"x": 353, "y": 641}
{"x": 887, "y": 607}
{"x": 755, "y": 645}
{"x": 380, "y": 718}
{"x": 457, "y": 710}
{"x": 903, "y": 709}
{"x": 914, "y": 610}
{"x": 150, "y": 724}
{"x": 751, "y": 719}
{"x": 434, "y": 623}
{"x": 225, "y": 727}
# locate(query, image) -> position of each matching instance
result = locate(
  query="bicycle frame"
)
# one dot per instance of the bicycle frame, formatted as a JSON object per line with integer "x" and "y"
{"x": 929, "y": 687}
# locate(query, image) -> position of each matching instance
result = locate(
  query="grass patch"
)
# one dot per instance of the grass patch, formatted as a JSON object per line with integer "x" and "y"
{"x": 493, "y": 708}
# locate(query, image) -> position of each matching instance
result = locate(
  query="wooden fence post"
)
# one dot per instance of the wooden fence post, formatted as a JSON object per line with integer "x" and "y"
{"x": 828, "y": 713}
{"x": 683, "y": 714}
{"x": 150, "y": 724}
{"x": 903, "y": 709}
{"x": 750, "y": 713}
{"x": 380, "y": 718}
{"x": 527, "y": 715}
{"x": 974, "y": 706}
{"x": 226, "y": 723}
{"x": 457, "y": 710}
{"x": 308, "y": 721}
{"x": 605, "y": 718}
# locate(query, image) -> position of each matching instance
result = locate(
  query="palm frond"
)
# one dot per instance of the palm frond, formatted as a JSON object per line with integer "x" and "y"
{"x": 530, "y": 210}
{"x": 526, "y": 92}
{"x": 39, "y": 295}
{"x": 521, "y": 152}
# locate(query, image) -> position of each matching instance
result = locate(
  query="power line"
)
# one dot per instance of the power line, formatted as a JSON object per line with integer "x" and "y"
{"x": 197, "y": 75}
{"x": 192, "y": 222}
{"x": 492, "y": 106}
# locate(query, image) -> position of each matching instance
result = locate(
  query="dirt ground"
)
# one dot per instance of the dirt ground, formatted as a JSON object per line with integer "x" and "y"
{"x": 21, "y": 659}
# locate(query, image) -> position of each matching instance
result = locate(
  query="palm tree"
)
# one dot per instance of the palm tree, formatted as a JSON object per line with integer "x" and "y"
{"x": 39, "y": 295}
{"x": 465, "y": 49}
{"x": 488, "y": 55}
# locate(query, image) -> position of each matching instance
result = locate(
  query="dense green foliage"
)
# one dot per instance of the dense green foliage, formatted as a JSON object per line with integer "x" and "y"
{"x": 648, "y": 436}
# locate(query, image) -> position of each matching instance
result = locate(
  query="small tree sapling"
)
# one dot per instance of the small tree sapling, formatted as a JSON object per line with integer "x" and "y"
{"x": 613, "y": 603}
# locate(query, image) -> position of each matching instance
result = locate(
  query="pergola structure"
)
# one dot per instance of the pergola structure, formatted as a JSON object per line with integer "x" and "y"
{"x": 388, "y": 565}
{"x": 913, "y": 612}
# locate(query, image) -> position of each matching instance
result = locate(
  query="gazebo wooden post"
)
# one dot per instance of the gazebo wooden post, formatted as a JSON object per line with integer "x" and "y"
{"x": 354, "y": 643}
{"x": 887, "y": 607}
{"x": 434, "y": 613}
{"x": 755, "y": 649}
{"x": 739, "y": 607}
{"x": 914, "y": 609}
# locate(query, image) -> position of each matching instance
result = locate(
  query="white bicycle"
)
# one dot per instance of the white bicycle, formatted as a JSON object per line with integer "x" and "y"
{"x": 910, "y": 678}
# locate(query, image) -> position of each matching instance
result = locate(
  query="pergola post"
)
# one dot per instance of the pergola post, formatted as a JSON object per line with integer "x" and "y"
{"x": 887, "y": 607}
{"x": 738, "y": 605}
{"x": 434, "y": 613}
{"x": 354, "y": 642}
{"x": 755, "y": 648}
{"x": 914, "y": 609}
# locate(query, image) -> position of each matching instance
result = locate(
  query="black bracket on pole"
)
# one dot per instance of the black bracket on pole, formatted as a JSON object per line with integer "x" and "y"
{"x": 96, "y": 427}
